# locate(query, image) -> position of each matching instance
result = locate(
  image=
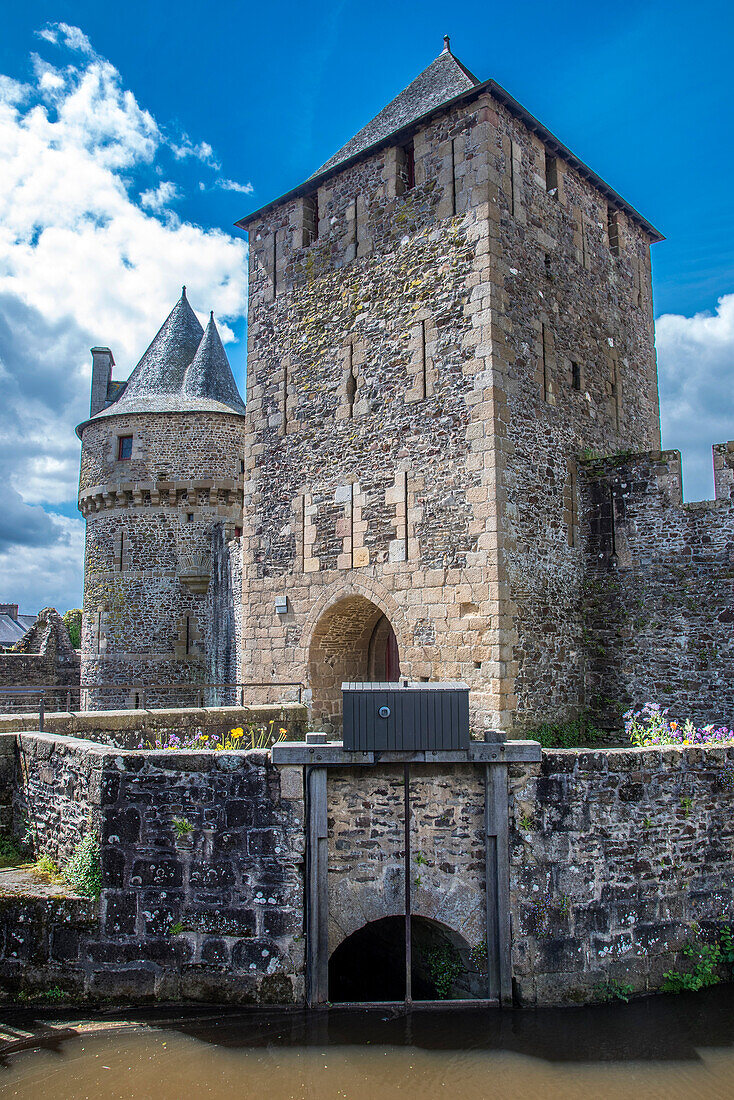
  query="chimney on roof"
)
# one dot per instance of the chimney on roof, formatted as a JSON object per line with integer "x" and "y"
{"x": 10, "y": 609}
{"x": 102, "y": 364}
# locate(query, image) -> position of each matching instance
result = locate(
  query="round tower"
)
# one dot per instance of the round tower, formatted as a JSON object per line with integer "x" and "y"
{"x": 161, "y": 491}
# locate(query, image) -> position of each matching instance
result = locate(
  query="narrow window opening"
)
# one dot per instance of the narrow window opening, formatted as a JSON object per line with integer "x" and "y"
{"x": 551, "y": 175}
{"x": 405, "y": 517}
{"x": 512, "y": 178}
{"x": 124, "y": 448}
{"x": 584, "y": 255}
{"x": 545, "y": 367}
{"x": 351, "y": 525}
{"x": 573, "y": 508}
{"x": 613, "y": 230}
{"x": 406, "y": 168}
{"x": 189, "y": 517}
{"x": 351, "y": 387}
{"x": 121, "y": 565}
{"x": 238, "y": 532}
{"x": 424, "y": 363}
{"x": 285, "y": 397}
{"x": 242, "y": 465}
{"x": 548, "y": 266}
{"x": 612, "y": 521}
{"x": 311, "y": 218}
{"x": 453, "y": 176}
{"x": 356, "y": 229}
{"x": 614, "y": 387}
{"x": 275, "y": 263}
{"x": 137, "y": 701}
{"x": 188, "y": 634}
{"x": 575, "y": 376}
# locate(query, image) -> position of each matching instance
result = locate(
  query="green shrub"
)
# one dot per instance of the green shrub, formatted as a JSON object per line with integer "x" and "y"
{"x": 83, "y": 872}
{"x": 567, "y": 735}
{"x": 73, "y": 622}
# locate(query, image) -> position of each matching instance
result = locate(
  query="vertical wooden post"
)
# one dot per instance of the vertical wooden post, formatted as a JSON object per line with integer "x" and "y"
{"x": 317, "y": 899}
{"x": 497, "y": 865}
{"x": 408, "y": 921}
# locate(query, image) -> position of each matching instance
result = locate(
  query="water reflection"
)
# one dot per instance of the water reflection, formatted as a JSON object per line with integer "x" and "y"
{"x": 660, "y": 1047}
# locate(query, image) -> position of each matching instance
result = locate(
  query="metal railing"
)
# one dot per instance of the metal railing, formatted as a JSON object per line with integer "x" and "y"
{"x": 135, "y": 696}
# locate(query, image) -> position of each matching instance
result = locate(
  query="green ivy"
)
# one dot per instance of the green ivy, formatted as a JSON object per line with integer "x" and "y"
{"x": 444, "y": 966}
{"x": 567, "y": 735}
{"x": 706, "y": 958}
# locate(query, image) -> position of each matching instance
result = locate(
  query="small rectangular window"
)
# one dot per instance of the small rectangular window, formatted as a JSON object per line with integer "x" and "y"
{"x": 406, "y": 168}
{"x": 311, "y": 218}
{"x": 613, "y": 230}
{"x": 551, "y": 175}
{"x": 124, "y": 448}
{"x": 238, "y": 532}
{"x": 189, "y": 517}
{"x": 575, "y": 376}
{"x": 242, "y": 465}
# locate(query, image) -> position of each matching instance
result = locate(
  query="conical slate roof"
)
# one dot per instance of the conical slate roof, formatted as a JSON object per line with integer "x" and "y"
{"x": 209, "y": 373}
{"x": 444, "y": 78}
{"x": 184, "y": 370}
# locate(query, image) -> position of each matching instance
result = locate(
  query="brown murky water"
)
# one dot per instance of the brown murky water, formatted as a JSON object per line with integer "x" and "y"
{"x": 666, "y": 1048}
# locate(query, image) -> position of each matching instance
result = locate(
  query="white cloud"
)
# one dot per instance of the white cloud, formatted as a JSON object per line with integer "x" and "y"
{"x": 696, "y": 369}
{"x": 158, "y": 199}
{"x": 83, "y": 261}
{"x": 232, "y": 185}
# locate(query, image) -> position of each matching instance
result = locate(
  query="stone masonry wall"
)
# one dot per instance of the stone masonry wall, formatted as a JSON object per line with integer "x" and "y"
{"x": 659, "y": 589}
{"x": 574, "y": 362}
{"x": 151, "y": 585}
{"x": 367, "y": 848}
{"x": 213, "y": 915}
{"x": 422, "y": 378}
{"x": 618, "y": 859}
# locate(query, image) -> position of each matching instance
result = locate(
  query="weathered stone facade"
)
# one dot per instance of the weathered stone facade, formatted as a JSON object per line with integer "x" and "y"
{"x": 154, "y": 522}
{"x": 659, "y": 588}
{"x": 44, "y": 657}
{"x": 213, "y": 915}
{"x": 618, "y": 859}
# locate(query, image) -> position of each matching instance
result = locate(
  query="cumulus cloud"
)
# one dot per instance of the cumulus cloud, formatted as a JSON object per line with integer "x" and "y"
{"x": 160, "y": 198}
{"x": 233, "y": 185}
{"x": 696, "y": 369}
{"x": 90, "y": 253}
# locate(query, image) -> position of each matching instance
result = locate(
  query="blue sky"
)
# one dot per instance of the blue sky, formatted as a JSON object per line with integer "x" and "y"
{"x": 139, "y": 133}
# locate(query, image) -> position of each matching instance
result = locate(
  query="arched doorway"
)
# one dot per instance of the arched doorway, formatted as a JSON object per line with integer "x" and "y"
{"x": 369, "y": 965}
{"x": 353, "y": 640}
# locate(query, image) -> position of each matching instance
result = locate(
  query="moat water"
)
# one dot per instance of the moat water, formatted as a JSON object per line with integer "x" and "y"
{"x": 662, "y": 1047}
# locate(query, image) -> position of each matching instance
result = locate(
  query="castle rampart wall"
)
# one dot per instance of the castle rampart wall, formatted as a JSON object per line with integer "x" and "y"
{"x": 658, "y": 607}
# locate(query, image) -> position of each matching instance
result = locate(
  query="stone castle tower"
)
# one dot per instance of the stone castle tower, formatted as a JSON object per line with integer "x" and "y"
{"x": 451, "y": 369}
{"x": 161, "y": 491}
{"x": 442, "y": 321}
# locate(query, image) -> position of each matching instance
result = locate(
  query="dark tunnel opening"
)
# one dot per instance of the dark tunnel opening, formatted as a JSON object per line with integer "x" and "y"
{"x": 370, "y": 964}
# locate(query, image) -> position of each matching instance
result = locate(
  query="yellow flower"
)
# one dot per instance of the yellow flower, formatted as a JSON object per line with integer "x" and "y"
{"x": 283, "y": 729}
{"x": 237, "y": 733}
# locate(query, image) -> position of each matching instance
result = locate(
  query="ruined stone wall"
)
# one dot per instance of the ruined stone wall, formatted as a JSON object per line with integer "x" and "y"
{"x": 618, "y": 859}
{"x": 42, "y": 658}
{"x": 658, "y": 607}
{"x": 151, "y": 521}
{"x": 212, "y": 915}
{"x": 574, "y": 365}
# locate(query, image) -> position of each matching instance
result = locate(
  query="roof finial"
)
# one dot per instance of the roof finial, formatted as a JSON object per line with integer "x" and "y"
{"x": 183, "y": 291}
{"x": 211, "y": 315}
{"x": 446, "y": 44}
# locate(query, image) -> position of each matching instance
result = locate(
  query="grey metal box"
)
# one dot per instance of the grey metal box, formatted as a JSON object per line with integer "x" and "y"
{"x": 397, "y": 717}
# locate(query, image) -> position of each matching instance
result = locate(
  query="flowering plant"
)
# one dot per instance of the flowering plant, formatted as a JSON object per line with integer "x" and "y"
{"x": 253, "y": 737}
{"x": 651, "y": 726}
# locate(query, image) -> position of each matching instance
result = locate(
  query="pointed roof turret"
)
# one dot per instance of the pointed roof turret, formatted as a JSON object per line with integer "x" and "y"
{"x": 183, "y": 370}
{"x": 162, "y": 367}
{"x": 209, "y": 374}
{"x": 444, "y": 78}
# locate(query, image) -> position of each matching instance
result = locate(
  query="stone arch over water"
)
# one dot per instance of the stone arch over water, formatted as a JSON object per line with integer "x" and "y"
{"x": 369, "y": 965}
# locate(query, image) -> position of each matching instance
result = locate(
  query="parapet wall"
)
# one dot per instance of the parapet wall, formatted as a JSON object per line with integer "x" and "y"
{"x": 658, "y": 593}
{"x": 126, "y": 729}
{"x": 617, "y": 857}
